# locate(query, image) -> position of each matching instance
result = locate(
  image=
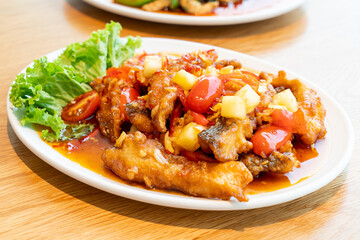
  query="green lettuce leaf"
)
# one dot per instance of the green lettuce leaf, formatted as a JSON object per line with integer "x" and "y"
{"x": 103, "y": 50}
{"x": 43, "y": 91}
{"x": 47, "y": 87}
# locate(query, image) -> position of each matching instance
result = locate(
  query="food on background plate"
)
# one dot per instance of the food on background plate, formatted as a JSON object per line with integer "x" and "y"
{"x": 199, "y": 7}
{"x": 194, "y": 123}
{"x": 194, "y": 7}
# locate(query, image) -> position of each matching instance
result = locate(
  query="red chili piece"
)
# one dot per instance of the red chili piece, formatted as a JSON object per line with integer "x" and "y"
{"x": 199, "y": 118}
{"x": 127, "y": 95}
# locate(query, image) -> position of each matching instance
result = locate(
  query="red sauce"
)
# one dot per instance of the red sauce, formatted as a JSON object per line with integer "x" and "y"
{"x": 88, "y": 155}
{"x": 267, "y": 182}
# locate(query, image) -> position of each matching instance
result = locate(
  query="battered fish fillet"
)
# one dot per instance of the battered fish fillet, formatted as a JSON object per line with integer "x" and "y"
{"x": 309, "y": 104}
{"x": 276, "y": 162}
{"x": 143, "y": 160}
{"x": 227, "y": 139}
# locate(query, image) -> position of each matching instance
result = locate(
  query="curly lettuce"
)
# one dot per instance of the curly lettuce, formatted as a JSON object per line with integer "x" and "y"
{"x": 47, "y": 87}
{"x": 104, "y": 49}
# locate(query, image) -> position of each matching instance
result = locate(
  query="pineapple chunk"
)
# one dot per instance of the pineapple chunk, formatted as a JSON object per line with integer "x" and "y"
{"x": 250, "y": 97}
{"x": 233, "y": 107}
{"x": 286, "y": 99}
{"x": 151, "y": 65}
{"x": 227, "y": 69}
{"x": 184, "y": 79}
{"x": 274, "y": 106}
{"x": 211, "y": 70}
{"x": 188, "y": 137}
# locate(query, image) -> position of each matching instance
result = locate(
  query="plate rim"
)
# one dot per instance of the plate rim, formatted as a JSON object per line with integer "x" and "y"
{"x": 186, "y": 202}
{"x": 262, "y": 14}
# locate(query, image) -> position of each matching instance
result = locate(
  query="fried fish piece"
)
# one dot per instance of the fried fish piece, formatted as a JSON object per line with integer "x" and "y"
{"x": 162, "y": 97}
{"x": 311, "y": 106}
{"x": 227, "y": 139}
{"x": 276, "y": 162}
{"x": 139, "y": 115}
{"x": 139, "y": 159}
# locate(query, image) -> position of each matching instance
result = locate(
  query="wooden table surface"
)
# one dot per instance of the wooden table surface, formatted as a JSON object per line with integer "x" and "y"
{"x": 320, "y": 40}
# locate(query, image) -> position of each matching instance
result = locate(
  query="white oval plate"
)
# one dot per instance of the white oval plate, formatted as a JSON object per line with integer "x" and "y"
{"x": 334, "y": 152}
{"x": 273, "y": 10}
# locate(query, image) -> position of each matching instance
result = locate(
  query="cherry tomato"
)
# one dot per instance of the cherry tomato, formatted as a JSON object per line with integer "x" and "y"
{"x": 199, "y": 118}
{"x": 268, "y": 139}
{"x": 127, "y": 95}
{"x": 81, "y": 107}
{"x": 204, "y": 93}
{"x": 293, "y": 122}
{"x": 197, "y": 156}
{"x": 282, "y": 118}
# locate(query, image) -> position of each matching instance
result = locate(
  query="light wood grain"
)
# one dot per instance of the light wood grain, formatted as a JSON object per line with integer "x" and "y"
{"x": 320, "y": 40}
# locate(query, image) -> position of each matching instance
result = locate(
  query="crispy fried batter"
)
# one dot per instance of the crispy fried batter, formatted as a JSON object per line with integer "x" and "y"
{"x": 310, "y": 104}
{"x": 276, "y": 162}
{"x": 139, "y": 115}
{"x": 162, "y": 97}
{"x": 144, "y": 161}
{"x": 109, "y": 114}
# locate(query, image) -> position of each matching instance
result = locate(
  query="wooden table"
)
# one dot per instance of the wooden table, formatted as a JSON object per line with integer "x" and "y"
{"x": 320, "y": 40}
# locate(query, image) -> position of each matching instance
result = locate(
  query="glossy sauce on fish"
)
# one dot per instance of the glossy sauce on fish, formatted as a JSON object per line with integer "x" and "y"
{"x": 88, "y": 154}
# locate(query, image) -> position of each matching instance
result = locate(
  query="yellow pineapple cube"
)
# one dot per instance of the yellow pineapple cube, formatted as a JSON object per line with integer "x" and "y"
{"x": 184, "y": 79}
{"x": 211, "y": 70}
{"x": 250, "y": 97}
{"x": 233, "y": 107}
{"x": 151, "y": 65}
{"x": 286, "y": 99}
{"x": 274, "y": 106}
{"x": 227, "y": 69}
{"x": 188, "y": 137}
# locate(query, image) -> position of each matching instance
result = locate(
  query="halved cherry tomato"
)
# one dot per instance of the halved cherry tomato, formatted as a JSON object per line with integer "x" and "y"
{"x": 199, "y": 118}
{"x": 197, "y": 156}
{"x": 128, "y": 94}
{"x": 293, "y": 122}
{"x": 204, "y": 93}
{"x": 268, "y": 139}
{"x": 282, "y": 118}
{"x": 81, "y": 107}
